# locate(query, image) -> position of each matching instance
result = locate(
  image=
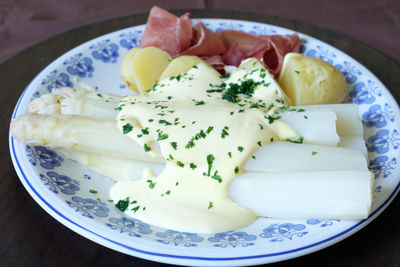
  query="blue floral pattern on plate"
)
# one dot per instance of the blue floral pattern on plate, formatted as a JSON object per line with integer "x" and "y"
{"x": 64, "y": 186}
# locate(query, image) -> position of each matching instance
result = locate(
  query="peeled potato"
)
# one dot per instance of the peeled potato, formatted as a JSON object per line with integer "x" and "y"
{"x": 180, "y": 65}
{"x": 141, "y": 67}
{"x": 311, "y": 81}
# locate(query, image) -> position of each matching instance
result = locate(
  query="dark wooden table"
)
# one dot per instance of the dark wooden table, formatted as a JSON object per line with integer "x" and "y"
{"x": 31, "y": 237}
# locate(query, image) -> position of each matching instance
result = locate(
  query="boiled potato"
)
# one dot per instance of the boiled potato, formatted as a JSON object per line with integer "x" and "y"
{"x": 141, "y": 68}
{"x": 180, "y": 65}
{"x": 311, "y": 81}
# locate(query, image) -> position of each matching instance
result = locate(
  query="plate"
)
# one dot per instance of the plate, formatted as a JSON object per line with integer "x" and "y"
{"x": 62, "y": 187}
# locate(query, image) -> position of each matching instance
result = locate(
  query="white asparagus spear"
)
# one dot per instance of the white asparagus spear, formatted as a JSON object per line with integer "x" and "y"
{"x": 323, "y": 134}
{"x": 348, "y": 120}
{"x": 78, "y": 133}
{"x": 335, "y": 194}
{"x": 117, "y": 169}
{"x": 288, "y": 157}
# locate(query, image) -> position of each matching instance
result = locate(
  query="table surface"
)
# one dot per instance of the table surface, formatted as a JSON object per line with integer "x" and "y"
{"x": 31, "y": 237}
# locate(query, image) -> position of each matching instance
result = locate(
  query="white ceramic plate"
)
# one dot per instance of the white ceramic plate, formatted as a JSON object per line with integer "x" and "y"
{"x": 62, "y": 187}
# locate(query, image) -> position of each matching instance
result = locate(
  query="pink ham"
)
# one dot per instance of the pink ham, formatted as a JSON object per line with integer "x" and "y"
{"x": 216, "y": 62}
{"x": 269, "y": 50}
{"x": 167, "y": 32}
{"x": 205, "y": 42}
{"x": 272, "y": 58}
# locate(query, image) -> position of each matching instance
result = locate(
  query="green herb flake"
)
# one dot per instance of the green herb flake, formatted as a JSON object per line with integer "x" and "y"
{"x": 122, "y": 204}
{"x": 209, "y": 129}
{"x": 261, "y": 127}
{"x": 199, "y": 103}
{"x": 135, "y": 209}
{"x": 210, "y": 205}
{"x": 210, "y": 160}
{"x": 93, "y": 191}
{"x": 271, "y": 119}
{"x": 195, "y": 67}
{"x": 168, "y": 192}
{"x": 166, "y": 123}
{"x": 259, "y": 143}
{"x": 305, "y": 117}
{"x": 229, "y": 154}
{"x": 151, "y": 120}
{"x": 161, "y": 136}
{"x": 180, "y": 164}
{"x": 151, "y": 184}
{"x": 99, "y": 95}
{"x": 193, "y": 166}
{"x": 217, "y": 177}
{"x": 236, "y": 170}
{"x": 127, "y": 128}
{"x": 240, "y": 148}
{"x": 297, "y": 72}
{"x": 224, "y": 132}
{"x": 253, "y": 157}
{"x": 314, "y": 153}
{"x": 174, "y": 145}
{"x": 146, "y": 148}
{"x": 145, "y": 131}
{"x": 297, "y": 141}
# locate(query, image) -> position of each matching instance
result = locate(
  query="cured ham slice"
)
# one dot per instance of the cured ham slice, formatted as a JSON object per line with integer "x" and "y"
{"x": 272, "y": 58}
{"x": 167, "y": 32}
{"x": 269, "y": 50}
{"x": 205, "y": 42}
{"x": 178, "y": 37}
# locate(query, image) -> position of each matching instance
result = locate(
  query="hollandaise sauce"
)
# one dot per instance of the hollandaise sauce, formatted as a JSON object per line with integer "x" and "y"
{"x": 205, "y": 127}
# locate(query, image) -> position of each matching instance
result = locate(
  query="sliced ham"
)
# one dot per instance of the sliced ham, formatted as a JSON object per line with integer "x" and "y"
{"x": 167, "y": 32}
{"x": 205, "y": 42}
{"x": 216, "y": 62}
{"x": 248, "y": 44}
{"x": 280, "y": 45}
{"x": 269, "y": 50}
{"x": 178, "y": 37}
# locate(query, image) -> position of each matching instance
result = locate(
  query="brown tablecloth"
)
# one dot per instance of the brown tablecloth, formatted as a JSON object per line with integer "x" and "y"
{"x": 31, "y": 237}
{"x": 373, "y": 22}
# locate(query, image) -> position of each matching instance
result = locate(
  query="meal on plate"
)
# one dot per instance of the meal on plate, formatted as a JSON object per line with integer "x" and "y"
{"x": 224, "y": 128}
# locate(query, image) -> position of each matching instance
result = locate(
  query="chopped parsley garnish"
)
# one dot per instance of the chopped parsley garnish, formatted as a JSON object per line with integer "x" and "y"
{"x": 314, "y": 153}
{"x": 305, "y": 117}
{"x": 298, "y": 141}
{"x": 145, "y": 131}
{"x": 261, "y": 127}
{"x": 236, "y": 170}
{"x": 180, "y": 164}
{"x": 146, "y": 148}
{"x": 161, "y": 136}
{"x": 93, "y": 191}
{"x": 171, "y": 157}
{"x": 240, "y": 148}
{"x": 166, "y": 123}
{"x": 217, "y": 177}
{"x": 127, "y": 128}
{"x": 195, "y": 67}
{"x": 135, "y": 209}
{"x": 224, "y": 132}
{"x": 99, "y": 95}
{"x": 230, "y": 154}
{"x": 210, "y": 160}
{"x": 193, "y": 166}
{"x": 259, "y": 143}
{"x": 272, "y": 119}
{"x": 301, "y": 110}
{"x": 199, "y": 103}
{"x": 174, "y": 145}
{"x": 297, "y": 71}
{"x": 151, "y": 184}
{"x": 246, "y": 87}
{"x": 122, "y": 204}
{"x": 209, "y": 129}
{"x": 168, "y": 192}
{"x": 253, "y": 157}
{"x": 151, "y": 120}
{"x": 210, "y": 205}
